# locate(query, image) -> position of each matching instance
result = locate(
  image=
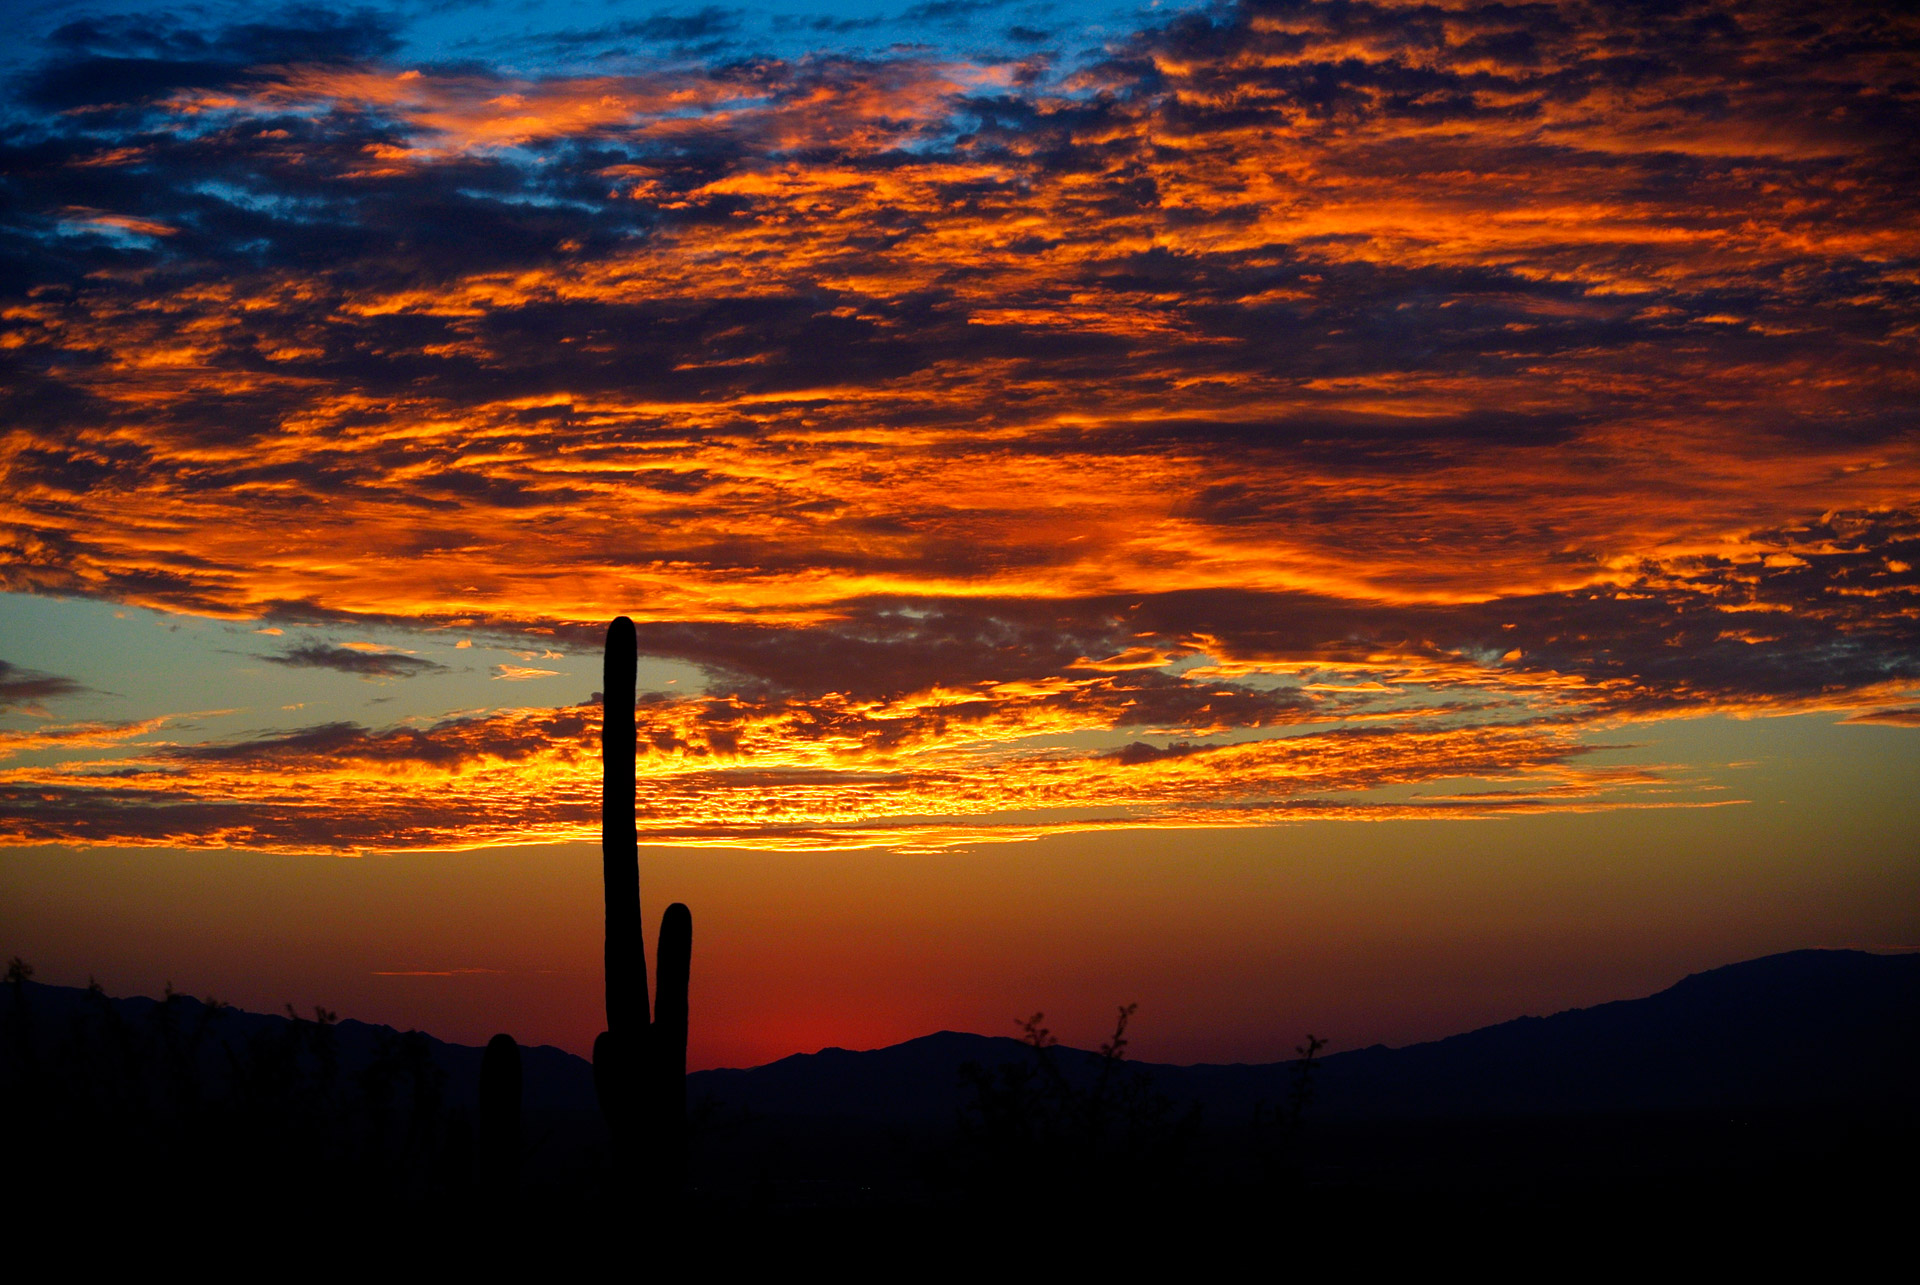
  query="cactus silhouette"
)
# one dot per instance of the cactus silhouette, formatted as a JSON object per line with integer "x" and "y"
{"x": 500, "y": 1117}
{"x": 640, "y": 1060}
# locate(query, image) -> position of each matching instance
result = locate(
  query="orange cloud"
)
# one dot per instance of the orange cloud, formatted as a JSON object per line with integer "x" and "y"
{"x": 1385, "y": 356}
{"x": 780, "y": 775}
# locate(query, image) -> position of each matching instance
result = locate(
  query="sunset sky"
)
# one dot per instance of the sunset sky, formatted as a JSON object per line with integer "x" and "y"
{"x": 1371, "y": 518}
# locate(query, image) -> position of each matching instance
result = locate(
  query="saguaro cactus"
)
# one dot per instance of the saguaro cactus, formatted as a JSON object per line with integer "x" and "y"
{"x": 500, "y": 1117}
{"x": 640, "y": 1060}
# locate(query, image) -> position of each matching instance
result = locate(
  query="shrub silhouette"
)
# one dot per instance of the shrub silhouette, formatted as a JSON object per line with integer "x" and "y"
{"x": 1038, "y": 1130}
{"x": 639, "y": 1061}
{"x": 1276, "y": 1133}
{"x": 128, "y": 1101}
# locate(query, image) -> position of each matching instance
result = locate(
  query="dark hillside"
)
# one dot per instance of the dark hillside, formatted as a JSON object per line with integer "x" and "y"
{"x": 1759, "y": 1073}
{"x": 1805, "y": 1029}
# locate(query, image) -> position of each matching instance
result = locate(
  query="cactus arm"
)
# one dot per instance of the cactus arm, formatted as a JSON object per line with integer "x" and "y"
{"x": 675, "y": 960}
{"x": 670, "y": 1045}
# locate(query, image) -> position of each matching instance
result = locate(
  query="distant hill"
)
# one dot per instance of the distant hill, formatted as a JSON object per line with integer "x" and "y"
{"x": 553, "y": 1078}
{"x": 1771, "y": 1092}
{"x": 1808, "y": 1028}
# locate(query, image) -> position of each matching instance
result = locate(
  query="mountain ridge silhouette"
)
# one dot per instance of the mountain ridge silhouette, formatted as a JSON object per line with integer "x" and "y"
{"x": 1808, "y": 1028}
{"x": 1800, "y": 1028}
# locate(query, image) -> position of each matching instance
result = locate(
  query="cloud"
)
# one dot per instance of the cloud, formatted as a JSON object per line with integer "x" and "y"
{"x": 96, "y": 734}
{"x": 27, "y": 689}
{"x": 520, "y": 673}
{"x": 123, "y": 59}
{"x": 949, "y": 10}
{"x": 1275, "y": 371}
{"x": 1899, "y": 716}
{"x": 355, "y": 660}
{"x": 703, "y": 31}
{"x": 782, "y": 776}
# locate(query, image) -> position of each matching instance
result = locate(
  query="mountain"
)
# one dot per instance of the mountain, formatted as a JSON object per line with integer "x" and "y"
{"x": 1809, "y": 1028}
{"x": 553, "y": 1078}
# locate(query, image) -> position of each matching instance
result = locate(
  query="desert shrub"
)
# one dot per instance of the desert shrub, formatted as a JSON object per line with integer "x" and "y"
{"x": 1058, "y": 1127}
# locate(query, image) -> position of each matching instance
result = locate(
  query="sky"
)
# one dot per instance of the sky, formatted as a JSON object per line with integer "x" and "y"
{"x": 1364, "y": 517}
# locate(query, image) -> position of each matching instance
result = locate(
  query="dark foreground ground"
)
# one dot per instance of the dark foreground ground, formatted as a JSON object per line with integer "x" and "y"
{"x": 1766, "y": 1110}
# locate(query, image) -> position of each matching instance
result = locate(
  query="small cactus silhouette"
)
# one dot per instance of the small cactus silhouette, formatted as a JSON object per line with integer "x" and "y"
{"x": 500, "y": 1117}
{"x": 640, "y": 1060}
